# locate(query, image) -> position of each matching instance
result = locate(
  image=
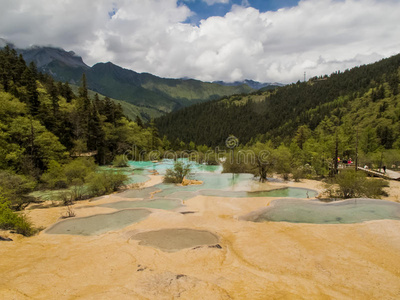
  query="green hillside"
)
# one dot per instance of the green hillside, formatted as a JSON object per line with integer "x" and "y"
{"x": 130, "y": 110}
{"x": 147, "y": 90}
{"x": 363, "y": 97}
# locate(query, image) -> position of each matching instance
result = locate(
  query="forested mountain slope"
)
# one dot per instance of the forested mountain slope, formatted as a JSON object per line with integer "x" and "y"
{"x": 141, "y": 89}
{"x": 43, "y": 122}
{"x": 131, "y": 111}
{"x": 366, "y": 96}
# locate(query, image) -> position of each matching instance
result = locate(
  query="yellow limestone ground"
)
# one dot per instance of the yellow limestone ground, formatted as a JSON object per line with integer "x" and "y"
{"x": 257, "y": 260}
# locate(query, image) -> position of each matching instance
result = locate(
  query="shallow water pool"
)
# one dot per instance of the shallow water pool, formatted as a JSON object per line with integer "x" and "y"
{"x": 218, "y": 185}
{"x": 340, "y": 212}
{"x": 98, "y": 224}
{"x": 175, "y": 239}
{"x": 163, "y": 165}
{"x": 285, "y": 192}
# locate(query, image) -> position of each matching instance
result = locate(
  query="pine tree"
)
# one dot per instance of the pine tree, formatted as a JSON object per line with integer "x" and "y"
{"x": 139, "y": 121}
{"x": 109, "y": 110}
{"x": 84, "y": 101}
{"x": 67, "y": 93}
{"x": 53, "y": 92}
{"x": 32, "y": 96}
{"x": 83, "y": 92}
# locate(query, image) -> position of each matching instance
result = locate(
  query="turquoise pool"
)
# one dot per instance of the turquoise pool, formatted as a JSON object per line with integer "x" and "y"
{"x": 339, "y": 212}
{"x": 163, "y": 165}
{"x": 218, "y": 185}
{"x": 98, "y": 224}
{"x": 285, "y": 192}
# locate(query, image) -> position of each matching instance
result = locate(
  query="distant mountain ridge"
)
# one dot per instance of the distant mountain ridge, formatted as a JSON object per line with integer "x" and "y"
{"x": 161, "y": 95}
{"x": 43, "y": 56}
{"x": 251, "y": 83}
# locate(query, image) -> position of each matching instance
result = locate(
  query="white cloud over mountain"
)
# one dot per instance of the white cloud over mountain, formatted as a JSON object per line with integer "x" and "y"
{"x": 317, "y": 36}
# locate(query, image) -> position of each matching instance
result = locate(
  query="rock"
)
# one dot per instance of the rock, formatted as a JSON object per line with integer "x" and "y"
{"x": 5, "y": 239}
{"x": 218, "y": 246}
{"x": 186, "y": 182}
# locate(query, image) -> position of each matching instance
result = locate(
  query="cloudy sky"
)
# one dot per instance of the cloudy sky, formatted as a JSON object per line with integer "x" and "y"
{"x": 264, "y": 40}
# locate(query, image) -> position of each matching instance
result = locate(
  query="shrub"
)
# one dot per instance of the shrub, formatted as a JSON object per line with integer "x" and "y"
{"x": 105, "y": 182}
{"x": 354, "y": 184}
{"x": 55, "y": 177}
{"x": 69, "y": 213}
{"x": 15, "y": 188}
{"x": 179, "y": 171}
{"x": 77, "y": 189}
{"x": 10, "y": 220}
{"x": 374, "y": 188}
{"x": 300, "y": 172}
{"x": 120, "y": 161}
{"x": 211, "y": 159}
{"x": 66, "y": 197}
{"x": 236, "y": 164}
{"x": 78, "y": 169}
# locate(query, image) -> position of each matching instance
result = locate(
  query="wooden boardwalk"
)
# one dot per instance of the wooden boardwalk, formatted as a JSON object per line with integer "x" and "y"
{"x": 392, "y": 175}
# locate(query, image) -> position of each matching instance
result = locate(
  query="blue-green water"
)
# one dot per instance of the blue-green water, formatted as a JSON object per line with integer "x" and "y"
{"x": 170, "y": 196}
{"x": 340, "y": 212}
{"x": 285, "y": 192}
{"x": 139, "y": 171}
{"x": 218, "y": 185}
{"x": 162, "y": 166}
{"x": 98, "y": 224}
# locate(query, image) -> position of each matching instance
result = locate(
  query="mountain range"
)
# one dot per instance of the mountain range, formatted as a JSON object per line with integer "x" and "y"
{"x": 251, "y": 83}
{"x": 150, "y": 95}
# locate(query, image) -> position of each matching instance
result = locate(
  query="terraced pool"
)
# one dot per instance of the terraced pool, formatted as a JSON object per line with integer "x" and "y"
{"x": 339, "y": 212}
{"x": 175, "y": 239}
{"x": 99, "y": 224}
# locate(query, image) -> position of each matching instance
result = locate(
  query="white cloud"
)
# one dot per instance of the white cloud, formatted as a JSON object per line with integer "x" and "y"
{"x": 212, "y": 2}
{"x": 317, "y": 36}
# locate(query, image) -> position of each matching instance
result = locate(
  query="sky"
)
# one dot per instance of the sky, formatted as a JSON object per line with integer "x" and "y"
{"x": 209, "y": 40}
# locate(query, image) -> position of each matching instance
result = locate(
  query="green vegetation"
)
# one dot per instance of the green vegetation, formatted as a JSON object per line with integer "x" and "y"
{"x": 152, "y": 92}
{"x": 10, "y": 220}
{"x": 130, "y": 110}
{"x": 120, "y": 161}
{"x": 43, "y": 121}
{"x": 366, "y": 96}
{"x": 352, "y": 184}
{"x": 81, "y": 179}
{"x": 52, "y": 138}
{"x": 100, "y": 183}
{"x": 303, "y": 126}
{"x": 177, "y": 173}
{"x": 261, "y": 160}
{"x": 16, "y": 188}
